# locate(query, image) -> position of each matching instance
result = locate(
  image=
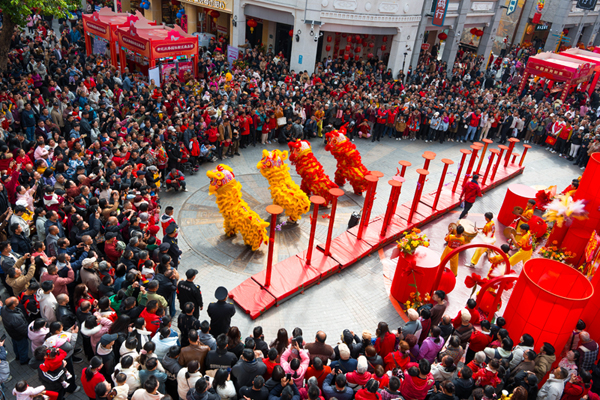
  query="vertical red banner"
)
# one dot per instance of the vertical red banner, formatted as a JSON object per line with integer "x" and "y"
{"x": 184, "y": 23}
{"x": 439, "y": 14}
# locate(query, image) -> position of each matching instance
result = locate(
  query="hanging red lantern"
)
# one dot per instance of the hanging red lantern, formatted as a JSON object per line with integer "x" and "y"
{"x": 358, "y": 39}
{"x": 473, "y": 31}
{"x": 383, "y": 47}
{"x": 479, "y": 32}
{"x": 366, "y": 37}
{"x": 346, "y": 56}
{"x": 344, "y": 35}
{"x": 384, "y": 39}
{"x": 214, "y": 14}
{"x": 443, "y": 36}
{"x": 327, "y": 48}
{"x": 348, "y": 47}
{"x": 370, "y": 55}
{"x": 291, "y": 32}
{"x": 252, "y": 24}
{"x": 357, "y": 57}
{"x": 371, "y": 45}
{"x": 357, "y": 50}
{"x": 349, "y": 39}
{"x": 329, "y": 39}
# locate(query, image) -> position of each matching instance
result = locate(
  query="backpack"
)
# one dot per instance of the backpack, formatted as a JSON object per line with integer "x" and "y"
{"x": 31, "y": 305}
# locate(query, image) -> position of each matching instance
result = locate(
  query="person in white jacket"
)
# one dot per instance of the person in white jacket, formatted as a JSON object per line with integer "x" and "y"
{"x": 47, "y": 301}
{"x": 187, "y": 377}
{"x": 149, "y": 391}
{"x": 163, "y": 341}
{"x": 554, "y": 386}
{"x": 23, "y": 391}
{"x": 37, "y": 332}
{"x": 526, "y": 343}
{"x": 223, "y": 385}
{"x": 129, "y": 367}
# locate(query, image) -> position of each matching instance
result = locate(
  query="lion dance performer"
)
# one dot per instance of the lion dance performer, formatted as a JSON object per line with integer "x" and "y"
{"x": 284, "y": 191}
{"x": 314, "y": 179}
{"x": 236, "y": 212}
{"x": 349, "y": 163}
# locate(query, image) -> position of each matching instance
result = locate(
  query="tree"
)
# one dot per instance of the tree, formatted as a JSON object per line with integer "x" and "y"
{"x": 15, "y": 12}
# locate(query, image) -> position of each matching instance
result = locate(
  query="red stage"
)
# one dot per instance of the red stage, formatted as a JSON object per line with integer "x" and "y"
{"x": 293, "y": 275}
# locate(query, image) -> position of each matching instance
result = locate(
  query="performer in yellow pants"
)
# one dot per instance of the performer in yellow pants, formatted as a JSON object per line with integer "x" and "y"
{"x": 454, "y": 241}
{"x": 489, "y": 232}
{"x": 525, "y": 217}
{"x": 525, "y": 245}
{"x": 496, "y": 259}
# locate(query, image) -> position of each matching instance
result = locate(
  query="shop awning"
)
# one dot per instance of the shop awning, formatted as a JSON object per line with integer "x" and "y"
{"x": 559, "y": 68}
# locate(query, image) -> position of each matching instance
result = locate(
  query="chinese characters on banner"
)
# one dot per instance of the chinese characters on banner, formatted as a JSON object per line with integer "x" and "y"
{"x": 166, "y": 70}
{"x": 232, "y": 55}
{"x": 439, "y": 15}
{"x": 185, "y": 66}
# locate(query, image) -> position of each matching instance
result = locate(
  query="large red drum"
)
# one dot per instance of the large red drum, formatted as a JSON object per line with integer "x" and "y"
{"x": 517, "y": 195}
{"x": 422, "y": 267}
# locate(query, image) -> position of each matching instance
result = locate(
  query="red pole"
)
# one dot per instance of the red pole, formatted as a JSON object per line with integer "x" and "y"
{"x": 428, "y": 156}
{"x": 446, "y": 162}
{"x": 462, "y": 162}
{"x": 404, "y": 164}
{"x": 274, "y": 210}
{"x": 317, "y": 201}
{"x": 423, "y": 173}
{"x": 485, "y": 146}
{"x": 502, "y": 149}
{"x": 527, "y": 147}
{"x": 392, "y": 202}
{"x": 473, "y": 158}
{"x": 489, "y": 166}
{"x": 368, "y": 205}
{"x": 335, "y": 193}
{"x": 510, "y": 150}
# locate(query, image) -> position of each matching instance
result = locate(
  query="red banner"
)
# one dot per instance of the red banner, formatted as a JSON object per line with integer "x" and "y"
{"x": 592, "y": 247}
{"x": 439, "y": 15}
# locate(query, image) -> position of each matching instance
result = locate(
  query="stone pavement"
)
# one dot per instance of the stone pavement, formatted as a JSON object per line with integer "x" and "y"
{"x": 358, "y": 297}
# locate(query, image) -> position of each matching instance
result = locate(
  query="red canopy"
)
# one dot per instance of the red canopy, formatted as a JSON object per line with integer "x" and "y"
{"x": 588, "y": 56}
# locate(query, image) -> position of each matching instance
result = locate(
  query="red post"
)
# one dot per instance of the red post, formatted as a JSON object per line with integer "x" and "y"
{"x": 485, "y": 146}
{"x": 473, "y": 158}
{"x": 527, "y": 147}
{"x": 274, "y": 210}
{"x": 503, "y": 148}
{"x": 378, "y": 174}
{"x": 464, "y": 152}
{"x": 317, "y": 201}
{"x": 489, "y": 166}
{"x": 368, "y": 204}
{"x": 514, "y": 155}
{"x": 423, "y": 173}
{"x": 428, "y": 156}
{"x": 404, "y": 164}
{"x": 396, "y": 185}
{"x": 446, "y": 162}
{"x": 335, "y": 193}
{"x": 511, "y": 146}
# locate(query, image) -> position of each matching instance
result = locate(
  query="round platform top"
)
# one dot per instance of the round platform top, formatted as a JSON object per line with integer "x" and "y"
{"x": 478, "y": 144}
{"x": 503, "y": 147}
{"x": 495, "y": 151}
{"x": 378, "y": 174}
{"x": 422, "y": 171}
{"x": 395, "y": 182}
{"x": 514, "y": 140}
{"x": 488, "y": 141}
{"x": 429, "y": 155}
{"x": 274, "y": 209}
{"x": 337, "y": 192}
{"x": 318, "y": 200}
{"x": 515, "y": 153}
{"x": 465, "y": 151}
{"x": 522, "y": 191}
{"x": 447, "y": 161}
{"x": 404, "y": 163}
{"x": 426, "y": 258}
{"x": 371, "y": 178}
{"x": 527, "y": 146}
{"x": 475, "y": 147}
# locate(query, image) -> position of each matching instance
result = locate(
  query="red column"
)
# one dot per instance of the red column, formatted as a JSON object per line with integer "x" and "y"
{"x": 88, "y": 43}
{"x": 481, "y": 157}
{"x": 514, "y": 156}
{"x": 428, "y": 156}
{"x": 368, "y": 204}
{"x": 396, "y": 185}
{"x": 475, "y": 150}
{"x": 502, "y": 149}
{"x": 523, "y": 82}
{"x": 527, "y": 147}
{"x": 274, "y": 210}
{"x": 511, "y": 147}
{"x": 489, "y": 166}
{"x": 464, "y": 152}
{"x": 335, "y": 193}
{"x": 404, "y": 164}
{"x": 446, "y": 162}
{"x": 317, "y": 201}
{"x": 422, "y": 174}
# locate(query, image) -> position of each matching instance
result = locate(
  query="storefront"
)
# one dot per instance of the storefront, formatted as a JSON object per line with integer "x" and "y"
{"x": 210, "y": 17}
{"x": 145, "y": 47}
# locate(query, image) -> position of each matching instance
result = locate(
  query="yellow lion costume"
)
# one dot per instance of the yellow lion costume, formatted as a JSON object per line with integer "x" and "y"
{"x": 349, "y": 164}
{"x": 236, "y": 212}
{"x": 284, "y": 191}
{"x": 314, "y": 179}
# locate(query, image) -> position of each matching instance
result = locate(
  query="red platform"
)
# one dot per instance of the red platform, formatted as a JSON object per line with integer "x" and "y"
{"x": 292, "y": 276}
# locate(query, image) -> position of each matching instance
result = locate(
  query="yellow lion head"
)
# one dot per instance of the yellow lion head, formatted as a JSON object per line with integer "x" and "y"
{"x": 272, "y": 159}
{"x": 219, "y": 177}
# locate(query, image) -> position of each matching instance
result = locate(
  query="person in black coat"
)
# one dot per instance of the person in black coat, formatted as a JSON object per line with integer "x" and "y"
{"x": 220, "y": 313}
{"x": 171, "y": 238}
{"x": 15, "y": 323}
{"x": 505, "y": 129}
{"x": 187, "y": 291}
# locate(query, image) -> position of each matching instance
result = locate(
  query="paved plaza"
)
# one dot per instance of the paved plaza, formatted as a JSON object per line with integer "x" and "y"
{"x": 358, "y": 297}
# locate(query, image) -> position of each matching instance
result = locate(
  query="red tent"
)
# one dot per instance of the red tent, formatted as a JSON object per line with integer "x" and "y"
{"x": 102, "y": 25}
{"x": 146, "y": 44}
{"x": 588, "y": 56}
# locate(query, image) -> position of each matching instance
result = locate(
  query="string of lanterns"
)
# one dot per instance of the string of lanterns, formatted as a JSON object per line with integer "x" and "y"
{"x": 360, "y": 44}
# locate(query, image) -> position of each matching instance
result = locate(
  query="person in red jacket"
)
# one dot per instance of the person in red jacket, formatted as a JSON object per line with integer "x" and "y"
{"x": 382, "y": 116}
{"x": 471, "y": 190}
{"x": 578, "y": 386}
{"x": 386, "y": 341}
{"x": 149, "y": 315}
{"x": 488, "y": 375}
{"x": 475, "y": 317}
{"x": 479, "y": 340}
{"x": 398, "y": 359}
{"x": 176, "y": 180}
{"x": 91, "y": 376}
{"x": 369, "y": 392}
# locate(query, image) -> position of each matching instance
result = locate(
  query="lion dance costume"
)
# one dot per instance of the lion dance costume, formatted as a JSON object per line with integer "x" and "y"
{"x": 349, "y": 164}
{"x": 284, "y": 191}
{"x": 236, "y": 212}
{"x": 314, "y": 179}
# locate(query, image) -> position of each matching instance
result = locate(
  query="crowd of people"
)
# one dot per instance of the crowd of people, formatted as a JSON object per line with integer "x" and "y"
{"x": 89, "y": 258}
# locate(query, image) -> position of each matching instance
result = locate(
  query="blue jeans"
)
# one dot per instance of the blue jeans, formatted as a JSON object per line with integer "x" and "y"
{"x": 172, "y": 309}
{"x": 389, "y": 131}
{"x": 471, "y": 132}
{"x": 21, "y": 348}
{"x": 30, "y": 132}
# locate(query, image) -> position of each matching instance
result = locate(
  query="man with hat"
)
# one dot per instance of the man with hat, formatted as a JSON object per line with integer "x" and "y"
{"x": 220, "y": 313}
{"x": 105, "y": 351}
{"x": 171, "y": 239}
{"x": 160, "y": 251}
{"x": 187, "y": 291}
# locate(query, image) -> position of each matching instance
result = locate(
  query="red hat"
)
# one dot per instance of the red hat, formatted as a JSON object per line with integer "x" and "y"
{"x": 153, "y": 229}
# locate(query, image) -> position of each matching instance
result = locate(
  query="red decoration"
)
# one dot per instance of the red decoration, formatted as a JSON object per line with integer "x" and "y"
{"x": 473, "y": 31}
{"x": 448, "y": 281}
{"x": 358, "y": 39}
{"x": 344, "y": 35}
{"x": 357, "y": 57}
{"x": 348, "y": 47}
{"x": 327, "y": 48}
{"x": 383, "y": 47}
{"x": 479, "y": 33}
{"x": 384, "y": 39}
{"x": 252, "y": 24}
{"x": 214, "y": 14}
{"x": 349, "y": 39}
{"x": 358, "y": 49}
{"x": 536, "y": 18}
{"x": 329, "y": 39}
{"x": 443, "y": 36}
{"x": 291, "y": 32}
{"x": 370, "y": 55}
{"x": 346, "y": 56}
{"x": 371, "y": 45}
